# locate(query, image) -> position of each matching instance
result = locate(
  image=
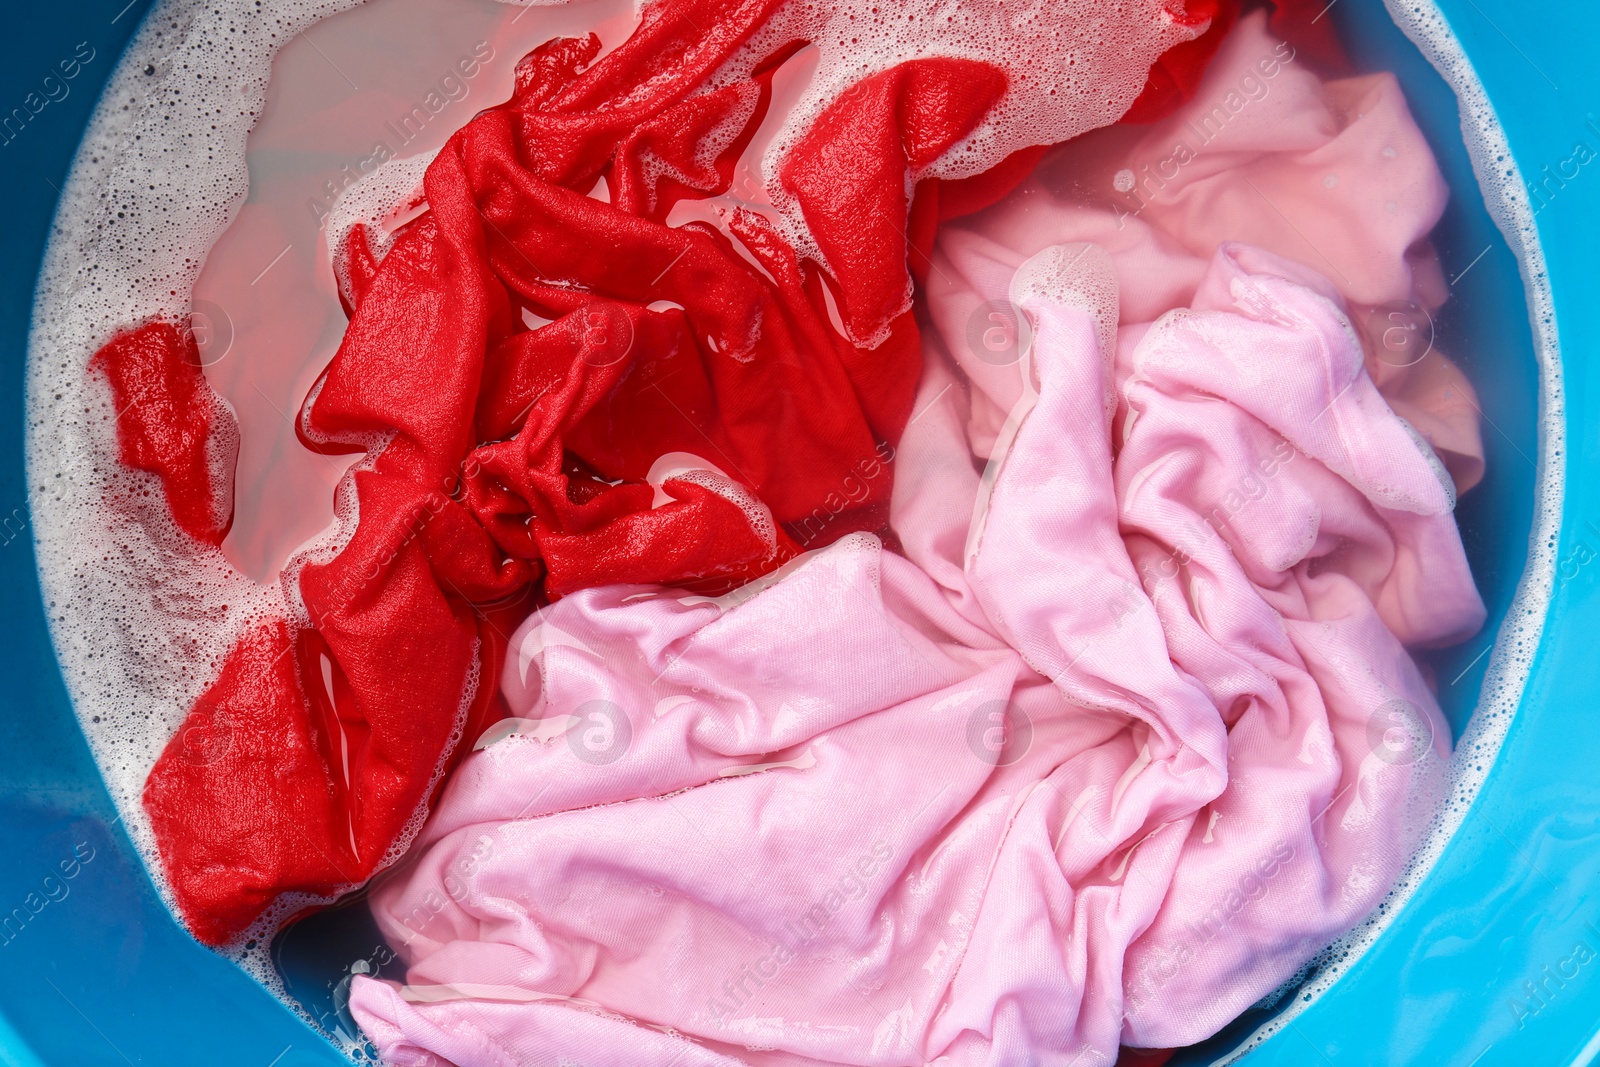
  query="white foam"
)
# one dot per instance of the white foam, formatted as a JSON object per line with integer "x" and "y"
{"x": 1515, "y": 646}
{"x": 141, "y": 617}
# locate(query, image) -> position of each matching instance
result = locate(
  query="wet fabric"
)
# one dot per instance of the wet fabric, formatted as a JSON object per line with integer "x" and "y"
{"x": 1128, "y": 732}
{"x": 1333, "y": 174}
{"x": 556, "y": 390}
{"x": 171, "y": 424}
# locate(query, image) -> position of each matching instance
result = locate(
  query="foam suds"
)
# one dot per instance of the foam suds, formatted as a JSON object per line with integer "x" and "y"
{"x": 1516, "y": 644}
{"x": 141, "y": 617}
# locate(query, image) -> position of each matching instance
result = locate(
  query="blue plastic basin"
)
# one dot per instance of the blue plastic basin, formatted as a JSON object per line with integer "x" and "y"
{"x": 1477, "y": 967}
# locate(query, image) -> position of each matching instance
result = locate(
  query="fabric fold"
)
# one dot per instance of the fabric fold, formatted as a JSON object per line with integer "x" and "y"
{"x": 1085, "y": 766}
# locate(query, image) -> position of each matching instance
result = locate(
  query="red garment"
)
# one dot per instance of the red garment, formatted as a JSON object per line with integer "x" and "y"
{"x": 1307, "y": 26}
{"x": 172, "y": 425}
{"x": 511, "y": 454}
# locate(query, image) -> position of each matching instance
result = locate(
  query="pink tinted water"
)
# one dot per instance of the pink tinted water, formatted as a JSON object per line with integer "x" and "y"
{"x": 389, "y": 78}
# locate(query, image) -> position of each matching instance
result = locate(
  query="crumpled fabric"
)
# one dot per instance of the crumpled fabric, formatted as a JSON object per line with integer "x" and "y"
{"x": 1127, "y": 733}
{"x": 1333, "y": 174}
{"x": 170, "y": 423}
{"x": 681, "y": 410}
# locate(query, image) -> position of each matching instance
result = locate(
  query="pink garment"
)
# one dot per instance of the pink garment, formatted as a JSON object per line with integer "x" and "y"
{"x": 1125, "y": 736}
{"x": 1333, "y": 175}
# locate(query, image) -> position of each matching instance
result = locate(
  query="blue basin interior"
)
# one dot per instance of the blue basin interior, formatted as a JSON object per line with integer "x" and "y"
{"x": 93, "y": 969}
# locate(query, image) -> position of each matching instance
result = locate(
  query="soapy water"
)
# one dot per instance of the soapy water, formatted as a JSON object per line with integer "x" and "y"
{"x": 141, "y": 231}
{"x": 422, "y": 69}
